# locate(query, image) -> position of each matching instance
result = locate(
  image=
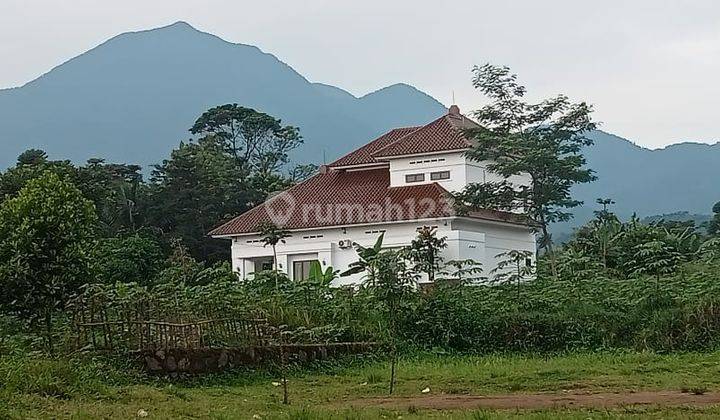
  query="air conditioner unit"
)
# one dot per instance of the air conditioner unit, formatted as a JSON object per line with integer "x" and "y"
{"x": 345, "y": 243}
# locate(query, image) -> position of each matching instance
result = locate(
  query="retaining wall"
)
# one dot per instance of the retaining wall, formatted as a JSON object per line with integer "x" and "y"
{"x": 177, "y": 360}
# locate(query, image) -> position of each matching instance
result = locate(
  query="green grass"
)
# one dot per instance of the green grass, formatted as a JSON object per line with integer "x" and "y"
{"x": 96, "y": 389}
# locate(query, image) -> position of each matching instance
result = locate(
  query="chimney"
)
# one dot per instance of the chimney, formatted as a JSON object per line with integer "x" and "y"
{"x": 323, "y": 169}
{"x": 454, "y": 110}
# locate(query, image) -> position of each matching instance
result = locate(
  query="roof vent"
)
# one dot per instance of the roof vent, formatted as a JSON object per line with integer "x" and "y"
{"x": 323, "y": 169}
{"x": 454, "y": 110}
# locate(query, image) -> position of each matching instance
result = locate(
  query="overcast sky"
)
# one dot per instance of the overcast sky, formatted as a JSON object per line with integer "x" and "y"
{"x": 650, "y": 67}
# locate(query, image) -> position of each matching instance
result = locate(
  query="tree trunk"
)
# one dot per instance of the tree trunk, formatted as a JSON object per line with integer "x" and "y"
{"x": 393, "y": 363}
{"x": 393, "y": 349}
{"x": 275, "y": 267}
{"x": 549, "y": 249}
{"x": 283, "y": 368}
{"x": 517, "y": 264}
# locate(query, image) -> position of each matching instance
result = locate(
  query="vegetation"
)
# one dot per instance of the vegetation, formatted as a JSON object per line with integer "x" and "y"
{"x": 619, "y": 291}
{"x": 541, "y": 141}
{"x": 45, "y": 238}
{"x": 98, "y": 389}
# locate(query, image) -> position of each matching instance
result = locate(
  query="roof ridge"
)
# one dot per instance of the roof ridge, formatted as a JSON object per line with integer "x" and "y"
{"x": 432, "y": 137}
{"x": 418, "y": 128}
{"x": 380, "y": 138}
{"x": 412, "y": 132}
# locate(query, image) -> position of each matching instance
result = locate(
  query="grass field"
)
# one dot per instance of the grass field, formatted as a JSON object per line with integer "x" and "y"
{"x": 54, "y": 389}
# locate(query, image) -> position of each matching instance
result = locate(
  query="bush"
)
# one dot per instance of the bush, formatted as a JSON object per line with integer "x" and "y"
{"x": 62, "y": 378}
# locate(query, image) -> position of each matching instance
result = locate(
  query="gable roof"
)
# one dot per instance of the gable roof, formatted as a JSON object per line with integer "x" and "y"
{"x": 443, "y": 134}
{"x": 338, "y": 197}
{"x": 344, "y": 198}
{"x": 363, "y": 155}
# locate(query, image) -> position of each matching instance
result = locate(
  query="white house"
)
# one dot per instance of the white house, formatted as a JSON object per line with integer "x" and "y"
{"x": 394, "y": 185}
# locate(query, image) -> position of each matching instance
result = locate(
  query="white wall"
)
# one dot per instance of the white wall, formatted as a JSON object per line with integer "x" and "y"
{"x": 478, "y": 172}
{"x": 324, "y": 244}
{"x": 453, "y": 162}
{"x": 467, "y": 239}
{"x": 499, "y": 238}
{"x": 463, "y": 171}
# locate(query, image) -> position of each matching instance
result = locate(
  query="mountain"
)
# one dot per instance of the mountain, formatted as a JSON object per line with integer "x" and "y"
{"x": 680, "y": 177}
{"x": 132, "y": 99}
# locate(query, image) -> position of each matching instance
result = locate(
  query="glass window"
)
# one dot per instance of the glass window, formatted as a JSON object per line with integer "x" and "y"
{"x": 415, "y": 178}
{"x": 266, "y": 265}
{"x": 301, "y": 269}
{"x": 437, "y": 176}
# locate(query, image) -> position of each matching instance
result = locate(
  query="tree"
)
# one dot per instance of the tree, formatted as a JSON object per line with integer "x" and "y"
{"x": 513, "y": 268}
{"x": 195, "y": 190}
{"x": 713, "y": 227}
{"x": 392, "y": 285}
{"x": 598, "y": 237}
{"x": 258, "y": 142}
{"x": 424, "y": 252}
{"x": 300, "y": 173}
{"x": 542, "y": 142}
{"x": 32, "y": 164}
{"x": 32, "y": 157}
{"x": 272, "y": 235}
{"x": 462, "y": 272}
{"x": 128, "y": 259}
{"x": 655, "y": 258}
{"x": 46, "y": 235}
{"x": 116, "y": 190}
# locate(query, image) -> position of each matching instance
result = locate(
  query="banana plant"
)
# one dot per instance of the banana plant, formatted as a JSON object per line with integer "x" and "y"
{"x": 317, "y": 275}
{"x": 365, "y": 263}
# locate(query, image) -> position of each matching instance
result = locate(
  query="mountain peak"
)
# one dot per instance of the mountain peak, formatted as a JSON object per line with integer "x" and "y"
{"x": 180, "y": 25}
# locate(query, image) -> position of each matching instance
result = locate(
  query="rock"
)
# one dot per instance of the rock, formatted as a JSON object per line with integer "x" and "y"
{"x": 223, "y": 359}
{"x": 426, "y": 390}
{"x": 170, "y": 364}
{"x": 152, "y": 364}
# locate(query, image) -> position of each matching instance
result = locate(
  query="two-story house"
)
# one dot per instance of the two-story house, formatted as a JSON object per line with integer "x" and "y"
{"x": 393, "y": 185}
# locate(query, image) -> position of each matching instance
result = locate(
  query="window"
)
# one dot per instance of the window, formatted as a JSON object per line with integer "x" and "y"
{"x": 437, "y": 176}
{"x": 301, "y": 269}
{"x": 414, "y": 178}
{"x": 312, "y": 236}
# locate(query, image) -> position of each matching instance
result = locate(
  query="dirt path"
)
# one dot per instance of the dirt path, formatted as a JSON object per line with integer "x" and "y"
{"x": 538, "y": 401}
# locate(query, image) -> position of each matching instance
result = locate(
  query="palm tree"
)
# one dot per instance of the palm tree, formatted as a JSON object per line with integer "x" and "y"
{"x": 272, "y": 234}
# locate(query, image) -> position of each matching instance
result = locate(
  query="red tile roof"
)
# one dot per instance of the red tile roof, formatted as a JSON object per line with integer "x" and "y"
{"x": 363, "y": 155}
{"x": 341, "y": 198}
{"x": 445, "y": 133}
{"x": 338, "y": 197}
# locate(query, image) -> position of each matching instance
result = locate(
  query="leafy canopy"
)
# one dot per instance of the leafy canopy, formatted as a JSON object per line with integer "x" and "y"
{"x": 538, "y": 141}
{"x": 257, "y": 141}
{"x": 46, "y": 236}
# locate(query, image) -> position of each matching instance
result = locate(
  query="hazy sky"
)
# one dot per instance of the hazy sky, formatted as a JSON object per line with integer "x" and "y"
{"x": 650, "y": 67}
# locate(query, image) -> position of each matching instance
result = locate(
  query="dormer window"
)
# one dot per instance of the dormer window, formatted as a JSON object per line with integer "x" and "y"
{"x": 439, "y": 176}
{"x": 414, "y": 178}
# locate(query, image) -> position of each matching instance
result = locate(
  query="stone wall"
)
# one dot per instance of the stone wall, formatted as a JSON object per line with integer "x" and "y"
{"x": 175, "y": 360}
